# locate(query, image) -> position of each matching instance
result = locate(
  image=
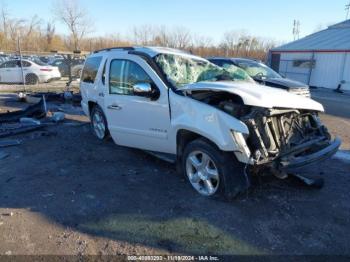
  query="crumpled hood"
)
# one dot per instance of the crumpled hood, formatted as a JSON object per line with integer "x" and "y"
{"x": 258, "y": 95}
{"x": 286, "y": 83}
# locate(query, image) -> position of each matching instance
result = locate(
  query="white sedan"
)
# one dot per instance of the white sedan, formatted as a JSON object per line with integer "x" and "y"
{"x": 33, "y": 72}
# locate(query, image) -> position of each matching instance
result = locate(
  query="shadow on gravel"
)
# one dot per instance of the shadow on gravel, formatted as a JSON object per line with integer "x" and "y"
{"x": 124, "y": 194}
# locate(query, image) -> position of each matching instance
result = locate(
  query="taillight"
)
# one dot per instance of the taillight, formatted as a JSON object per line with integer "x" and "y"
{"x": 45, "y": 69}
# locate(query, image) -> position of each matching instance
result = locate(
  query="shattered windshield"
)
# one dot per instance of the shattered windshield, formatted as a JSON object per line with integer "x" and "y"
{"x": 183, "y": 70}
{"x": 258, "y": 70}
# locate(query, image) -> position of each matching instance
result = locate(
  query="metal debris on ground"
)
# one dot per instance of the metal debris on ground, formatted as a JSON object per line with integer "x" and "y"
{"x": 310, "y": 182}
{"x": 51, "y": 97}
{"x": 3, "y": 155}
{"x": 28, "y": 120}
{"x": 8, "y": 143}
{"x": 20, "y": 130}
{"x": 58, "y": 117}
{"x": 37, "y": 110}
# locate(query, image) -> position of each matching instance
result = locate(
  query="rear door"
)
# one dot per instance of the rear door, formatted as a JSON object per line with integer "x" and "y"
{"x": 91, "y": 83}
{"x": 136, "y": 121}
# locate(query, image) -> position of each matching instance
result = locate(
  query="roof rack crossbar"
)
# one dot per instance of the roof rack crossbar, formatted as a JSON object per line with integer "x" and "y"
{"x": 125, "y": 48}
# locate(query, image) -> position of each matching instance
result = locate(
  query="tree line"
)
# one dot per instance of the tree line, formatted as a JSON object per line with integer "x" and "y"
{"x": 37, "y": 35}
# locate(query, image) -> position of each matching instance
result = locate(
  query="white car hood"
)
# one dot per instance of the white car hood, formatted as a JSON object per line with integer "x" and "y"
{"x": 258, "y": 95}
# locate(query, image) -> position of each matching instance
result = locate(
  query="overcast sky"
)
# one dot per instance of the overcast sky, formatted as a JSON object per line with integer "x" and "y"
{"x": 265, "y": 18}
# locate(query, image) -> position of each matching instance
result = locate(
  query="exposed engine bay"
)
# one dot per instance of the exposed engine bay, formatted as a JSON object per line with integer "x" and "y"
{"x": 278, "y": 137}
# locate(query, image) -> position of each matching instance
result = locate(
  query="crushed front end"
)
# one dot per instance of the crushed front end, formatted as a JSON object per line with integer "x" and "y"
{"x": 287, "y": 138}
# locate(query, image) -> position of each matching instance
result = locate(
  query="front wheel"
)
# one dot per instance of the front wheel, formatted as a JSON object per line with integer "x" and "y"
{"x": 99, "y": 123}
{"x": 212, "y": 172}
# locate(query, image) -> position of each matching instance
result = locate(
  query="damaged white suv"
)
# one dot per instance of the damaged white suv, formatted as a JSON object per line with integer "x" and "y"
{"x": 217, "y": 124}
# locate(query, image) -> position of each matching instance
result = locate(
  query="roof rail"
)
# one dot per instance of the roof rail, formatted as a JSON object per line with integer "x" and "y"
{"x": 124, "y": 48}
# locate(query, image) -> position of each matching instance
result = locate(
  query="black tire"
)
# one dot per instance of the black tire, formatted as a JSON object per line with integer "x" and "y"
{"x": 79, "y": 73}
{"x": 32, "y": 79}
{"x": 233, "y": 178}
{"x": 96, "y": 110}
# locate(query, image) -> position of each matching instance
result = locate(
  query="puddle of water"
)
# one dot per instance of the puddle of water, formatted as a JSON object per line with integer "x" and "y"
{"x": 343, "y": 155}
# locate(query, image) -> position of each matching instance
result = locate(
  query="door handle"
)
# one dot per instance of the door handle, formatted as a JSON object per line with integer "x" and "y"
{"x": 114, "y": 107}
{"x": 101, "y": 94}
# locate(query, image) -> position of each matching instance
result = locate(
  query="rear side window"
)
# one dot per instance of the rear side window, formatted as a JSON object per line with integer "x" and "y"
{"x": 124, "y": 75}
{"x": 24, "y": 64}
{"x": 91, "y": 68}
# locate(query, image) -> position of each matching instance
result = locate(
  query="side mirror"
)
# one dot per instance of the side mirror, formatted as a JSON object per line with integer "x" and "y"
{"x": 145, "y": 90}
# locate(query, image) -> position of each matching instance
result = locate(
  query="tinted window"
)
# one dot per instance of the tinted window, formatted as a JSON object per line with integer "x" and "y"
{"x": 90, "y": 69}
{"x": 10, "y": 64}
{"x": 24, "y": 64}
{"x": 221, "y": 62}
{"x": 124, "y": 75}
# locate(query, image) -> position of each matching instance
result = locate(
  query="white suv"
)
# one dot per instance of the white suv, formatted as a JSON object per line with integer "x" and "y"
{"x": 217, "y": 124}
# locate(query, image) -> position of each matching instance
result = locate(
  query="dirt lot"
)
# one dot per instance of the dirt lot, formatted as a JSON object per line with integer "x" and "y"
{"x": 64, "y": 192}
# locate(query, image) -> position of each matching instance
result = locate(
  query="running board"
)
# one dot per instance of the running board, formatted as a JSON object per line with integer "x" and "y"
{"x": 170, "y": 158}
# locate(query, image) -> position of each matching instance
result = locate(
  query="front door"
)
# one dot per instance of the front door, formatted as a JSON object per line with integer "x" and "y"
{"x": 136, "y": 121}
{"x": 10, "y": 72}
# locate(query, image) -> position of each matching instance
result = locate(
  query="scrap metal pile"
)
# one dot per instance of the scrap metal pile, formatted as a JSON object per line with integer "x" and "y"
{"x": 36, "y": 115}
{"x": 23, "y": 121}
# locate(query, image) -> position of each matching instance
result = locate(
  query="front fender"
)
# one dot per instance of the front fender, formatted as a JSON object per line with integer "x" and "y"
{"x": 205, "y": 120}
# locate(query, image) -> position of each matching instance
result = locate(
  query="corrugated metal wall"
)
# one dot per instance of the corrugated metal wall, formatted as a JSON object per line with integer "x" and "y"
{"x": 287, "y": 69}
{"x": 330, "y": 69}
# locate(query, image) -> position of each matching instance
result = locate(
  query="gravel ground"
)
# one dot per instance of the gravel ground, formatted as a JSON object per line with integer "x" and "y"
{"x": 64, "y": 192}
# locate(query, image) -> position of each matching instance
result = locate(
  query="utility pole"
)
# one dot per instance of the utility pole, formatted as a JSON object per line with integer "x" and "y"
{"x": 347, "y": 9}
{"x": 296, "y": 29}
{"x": 21, "y": 63}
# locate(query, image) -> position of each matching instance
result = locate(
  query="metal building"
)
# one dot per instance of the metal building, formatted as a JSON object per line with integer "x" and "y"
{"x": 321, "y": 59}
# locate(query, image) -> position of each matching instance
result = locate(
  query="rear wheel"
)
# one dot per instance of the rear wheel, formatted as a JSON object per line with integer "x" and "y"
{"x": 32, "y": 79}
{"x": 99, "y": 123}
{"x": 212, "y": 172}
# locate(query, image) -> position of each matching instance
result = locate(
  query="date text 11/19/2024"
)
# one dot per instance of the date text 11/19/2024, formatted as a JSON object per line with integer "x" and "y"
{"x": 173, "y": 258}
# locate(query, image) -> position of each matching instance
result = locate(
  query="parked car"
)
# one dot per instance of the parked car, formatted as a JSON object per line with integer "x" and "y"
{"x": 263, "y": 74}
{"x": 34, "y": 72}
{"x": 77, "y": 70}
{"x": 217, "y": 124}
{"x": 63, "y": 65}
{"x": 3, "y": 58}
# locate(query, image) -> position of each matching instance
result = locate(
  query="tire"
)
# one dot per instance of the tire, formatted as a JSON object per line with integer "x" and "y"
{"x": 203, "y": 163}
{"x": 98, "y": 122}
{"x": 32, "y": 79}
{"x": 79, "y": 73}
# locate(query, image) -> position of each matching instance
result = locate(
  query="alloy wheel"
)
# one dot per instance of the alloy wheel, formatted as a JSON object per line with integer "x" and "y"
{"x": 202, "y": 173}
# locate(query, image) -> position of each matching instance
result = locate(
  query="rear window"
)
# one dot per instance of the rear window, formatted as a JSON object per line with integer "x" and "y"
{"x": 90, "y": 69}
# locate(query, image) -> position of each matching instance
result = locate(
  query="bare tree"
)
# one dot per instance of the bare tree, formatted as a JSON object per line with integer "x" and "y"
{"x": 49, "y": 34}
{"x": 71, "y": 14}
{"x": 229, "y": 42}
{"x": 4, "y": 23}
{"x": 181, "y": 38}
{"x": 144, "y": 35}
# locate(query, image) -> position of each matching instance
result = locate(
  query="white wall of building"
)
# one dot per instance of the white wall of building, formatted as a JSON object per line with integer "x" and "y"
{"x": 288, "y": 70}
{"x": 330, "y": 69}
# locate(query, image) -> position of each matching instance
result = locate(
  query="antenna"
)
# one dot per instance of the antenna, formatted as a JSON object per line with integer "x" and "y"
{"x": 347, "y": 9}
{"x": 296, "y": 29}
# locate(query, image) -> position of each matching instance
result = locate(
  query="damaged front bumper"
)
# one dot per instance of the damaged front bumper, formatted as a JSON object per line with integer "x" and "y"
{"x": 292, "y": 160}
{"x": 284, "y": 139}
